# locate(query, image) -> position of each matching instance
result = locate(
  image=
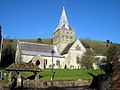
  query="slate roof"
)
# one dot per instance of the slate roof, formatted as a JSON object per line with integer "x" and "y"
{"x": 35, "y": 48}
{"x": 20, "y": 66}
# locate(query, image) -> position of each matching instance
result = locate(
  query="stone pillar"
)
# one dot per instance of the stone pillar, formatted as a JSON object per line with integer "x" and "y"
{"x": 9, "y": 76}
{"x": 36, "y": 75}
{"x": 19, "y": 80}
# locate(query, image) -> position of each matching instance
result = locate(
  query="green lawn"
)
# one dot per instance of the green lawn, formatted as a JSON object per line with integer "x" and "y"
{"x": 61, "y": 74}
{"x": 65, "y": 74}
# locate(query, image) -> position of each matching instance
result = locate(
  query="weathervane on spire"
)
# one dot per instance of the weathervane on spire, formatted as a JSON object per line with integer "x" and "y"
{"x": 63, "y": 3}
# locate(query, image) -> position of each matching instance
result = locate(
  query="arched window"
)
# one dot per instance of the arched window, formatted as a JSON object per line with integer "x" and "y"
{"x": 45, "y": 61}
{"x": 37, "y": 62}
{"x": 78, "y": 48}
{"x": 58, "y": 62}
{"x": 77, "y": 60}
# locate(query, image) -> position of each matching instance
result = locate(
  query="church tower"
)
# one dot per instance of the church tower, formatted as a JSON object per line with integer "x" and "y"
{"x": 64, "y": 33}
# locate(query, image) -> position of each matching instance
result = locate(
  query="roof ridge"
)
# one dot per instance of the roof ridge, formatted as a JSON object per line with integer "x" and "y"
{"x": 67, "y": 48}
{"x": 36, "y": 43}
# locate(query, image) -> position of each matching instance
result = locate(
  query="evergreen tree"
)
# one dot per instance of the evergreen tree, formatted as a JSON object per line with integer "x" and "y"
{"x": 8, "y": 56}
{"x": 39, "y": 40}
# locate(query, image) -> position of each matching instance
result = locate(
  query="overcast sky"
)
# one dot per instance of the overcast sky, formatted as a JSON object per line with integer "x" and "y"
{"x": 92, "y": 19}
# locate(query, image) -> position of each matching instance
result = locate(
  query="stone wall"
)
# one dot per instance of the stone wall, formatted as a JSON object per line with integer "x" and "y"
{"x": 62, "y": 38}
{"x": 47, "y": 84}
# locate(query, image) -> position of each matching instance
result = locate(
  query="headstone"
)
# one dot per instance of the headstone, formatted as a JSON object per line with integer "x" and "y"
{"x": 0, "y": 75}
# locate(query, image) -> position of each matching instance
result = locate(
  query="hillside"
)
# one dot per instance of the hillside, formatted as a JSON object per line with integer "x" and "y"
{"x": 98, "y": 47}
{"x": 9, "y": 47}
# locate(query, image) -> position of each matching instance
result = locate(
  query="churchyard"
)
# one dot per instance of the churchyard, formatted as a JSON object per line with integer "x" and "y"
{"x": 60, "y": 74}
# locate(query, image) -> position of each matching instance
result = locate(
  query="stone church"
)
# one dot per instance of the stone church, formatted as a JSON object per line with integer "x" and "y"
{"x": 67, "y": 49}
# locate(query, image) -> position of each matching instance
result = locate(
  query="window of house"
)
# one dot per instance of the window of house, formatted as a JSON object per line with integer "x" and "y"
{"x": 67, "y": 32}
{"x": 46, "y": 62}
{"x": 58, "y": 62}
{"x": 37, "y": 62}
{"x": 78, "y": 48}
{"x": 70, "y": 37}
{"x": 77, "y": 60}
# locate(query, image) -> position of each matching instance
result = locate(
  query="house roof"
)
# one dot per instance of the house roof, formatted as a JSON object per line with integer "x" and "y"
{"x": 67, "y": 48}
{"x": 35, "y": 48}
{"x": 20, "y": 66}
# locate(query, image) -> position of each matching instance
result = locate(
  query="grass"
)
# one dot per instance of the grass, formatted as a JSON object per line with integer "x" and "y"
{"x": 65, "y": 74}
{"x": 4, "y": 77}
{"x": 60, "y": 74}
{"x": 98, "y": 47}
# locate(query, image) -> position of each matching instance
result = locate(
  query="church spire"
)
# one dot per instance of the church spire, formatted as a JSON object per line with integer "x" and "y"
{"x": 63, "y": 34}
{"x": 63, "y": 19}
{"x": 63, "y": 23}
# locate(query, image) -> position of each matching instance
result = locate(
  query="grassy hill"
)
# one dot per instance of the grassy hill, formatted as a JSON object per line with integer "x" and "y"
{"x": 13, "y": 42}
{"x": 98, "y": 47}
{"x": 9, "y": 47}
{"x": 42, "y": 41}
